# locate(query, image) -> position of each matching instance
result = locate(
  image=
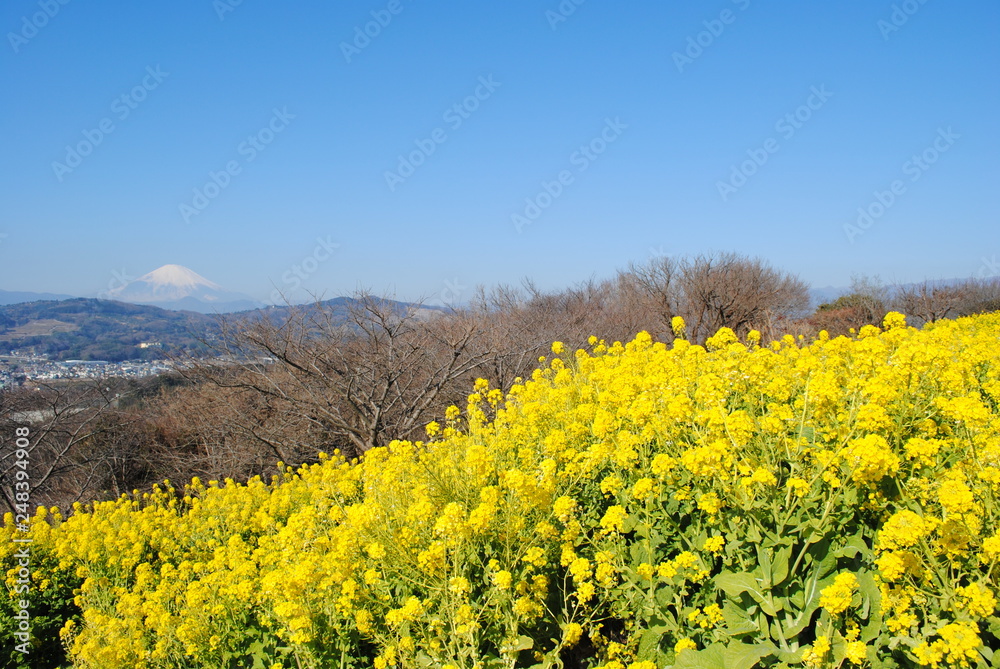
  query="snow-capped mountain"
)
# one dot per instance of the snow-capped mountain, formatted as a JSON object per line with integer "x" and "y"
{"x": 177, "y": 287}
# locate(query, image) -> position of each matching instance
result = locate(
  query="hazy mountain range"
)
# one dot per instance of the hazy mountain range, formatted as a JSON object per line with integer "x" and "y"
{"x": 169, "y": 287}
{"x": 18, "y": 296}
{"x": 179, "y": 288}
{"x": 168, "y": 311}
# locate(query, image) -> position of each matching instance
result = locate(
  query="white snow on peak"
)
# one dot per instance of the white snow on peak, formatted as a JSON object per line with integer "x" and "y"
{"x": 178, "y": 276}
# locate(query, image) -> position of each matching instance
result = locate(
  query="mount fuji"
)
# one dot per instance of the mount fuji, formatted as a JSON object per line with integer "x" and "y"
{"x": 177, "y": 287}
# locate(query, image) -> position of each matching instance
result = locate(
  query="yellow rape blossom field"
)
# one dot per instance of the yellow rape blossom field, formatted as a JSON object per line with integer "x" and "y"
{"x": 630, "y": 506}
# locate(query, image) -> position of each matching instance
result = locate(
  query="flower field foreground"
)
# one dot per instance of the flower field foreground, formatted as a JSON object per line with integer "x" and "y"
{"x": 823, "y": 504}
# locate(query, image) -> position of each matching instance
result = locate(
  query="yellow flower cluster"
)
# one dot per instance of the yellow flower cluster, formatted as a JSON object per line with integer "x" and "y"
{"x": 615, "y": 505}
{"x": 837, "y": 597}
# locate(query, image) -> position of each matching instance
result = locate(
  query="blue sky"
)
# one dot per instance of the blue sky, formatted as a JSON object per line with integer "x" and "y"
{"x": 585, "y": 137}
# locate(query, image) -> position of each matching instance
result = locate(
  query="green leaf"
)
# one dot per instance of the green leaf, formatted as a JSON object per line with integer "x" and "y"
{"x": 993, "y": 624}
{"x": 765, "y": 628}
{"x": 871, "y": 605}
{"x": 649, "y": 642}
{"x": 717, "y": 656}
{"x": 839, "y": 648}
{"x": 745, "y": 655}
{"x": 737, "y": 620}
{"x": 780, "y": 565}
{"x": 811, "y": 595}
{"x": 736, "y": 584}
{"x": 789, "y": 656}
{"x": 424, "y": 660}
{"x": 856, "y": 544}
{"x": 712, "y": 657}
{"x": 524, "y": 643}
{"x": 824, "y": 559}
{"x": 664, "y": 596}
{"x": 764, "y": 565}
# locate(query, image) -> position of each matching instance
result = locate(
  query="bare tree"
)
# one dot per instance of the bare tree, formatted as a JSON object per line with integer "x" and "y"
{"x": 654, "y": 290}
{"x": 362, "y": 376}
{"x": 926, "y": 302}
{"x": 718, "y": 290}
{"x": 981, "y": 296}
{"x": 518, "y": 325}
{"x": 59, "y": 460}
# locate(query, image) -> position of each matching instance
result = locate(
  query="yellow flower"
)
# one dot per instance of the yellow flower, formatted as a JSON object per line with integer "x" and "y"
{"x": 763, "y": 477}
{"x": 614, "y": 519}
{"x": 956, "y": 497}
{"x": 798, "y": 486}
{"x": 580, "y": 569}
{"x": 958, "y": 644}
{"x": 612, "y": 484}
{"x": 991, "y": 547}
{"x": 713, "y": 544}
{"x": 564, "y": 507}
{"x": 535, "y": 556}
{"x": 904, "y": 529}
{"x": 572, "y": 633}
{"x": 502, "y": 579}
{"x": 814, "y": 656}
{"x": 837, "y": 597}
{"x": 710, "y": 503}
{"x": 856, "y": 652}
{"x": 459, "y": 585}
{"x": 893, "y": 320}
{"x": 663, "y": 464}
{"x": 977, "y": 599}
{"x": 643, "y": 489}
{"x": 871, "y": 458}
{"x": 684, "y": 644}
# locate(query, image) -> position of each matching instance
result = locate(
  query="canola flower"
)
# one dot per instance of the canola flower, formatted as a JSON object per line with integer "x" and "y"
{"x": 817, "y": 504}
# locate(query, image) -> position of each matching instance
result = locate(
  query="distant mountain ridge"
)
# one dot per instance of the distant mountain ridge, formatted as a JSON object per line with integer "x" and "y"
{"x": 18, "y": 296}
{"x": 99, "y": 329}
{"x": 91, "y": 329}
